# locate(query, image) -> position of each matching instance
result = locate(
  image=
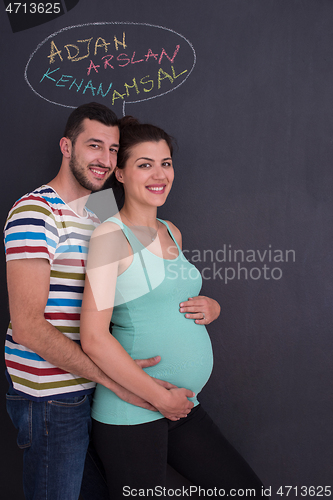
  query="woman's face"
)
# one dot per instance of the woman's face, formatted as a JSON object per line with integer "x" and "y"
{"x": 148, "y": 173}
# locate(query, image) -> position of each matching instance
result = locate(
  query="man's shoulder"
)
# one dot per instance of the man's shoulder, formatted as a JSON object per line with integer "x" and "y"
{"x": 41, "y": 203}
{"x": 30, "y": 229}
{"x": 42, "y": 196}
{"x": 44, "y": 207}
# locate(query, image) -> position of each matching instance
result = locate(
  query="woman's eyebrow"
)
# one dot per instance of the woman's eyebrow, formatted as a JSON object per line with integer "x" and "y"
{"x": 151, "y": 159}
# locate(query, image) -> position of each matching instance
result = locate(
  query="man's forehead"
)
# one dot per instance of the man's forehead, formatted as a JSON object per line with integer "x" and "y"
{"x": 93, "y": 127}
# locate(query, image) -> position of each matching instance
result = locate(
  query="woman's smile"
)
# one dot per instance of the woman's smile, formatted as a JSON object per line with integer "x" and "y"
{"x": 156, "y": 188}
{"x": 148, "y": 168}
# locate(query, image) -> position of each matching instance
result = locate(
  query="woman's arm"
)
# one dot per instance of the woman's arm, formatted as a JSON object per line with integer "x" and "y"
{"x": 108, "y": 255}
{"x": 202, "y": 309}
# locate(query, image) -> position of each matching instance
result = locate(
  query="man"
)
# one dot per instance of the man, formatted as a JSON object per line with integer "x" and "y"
{"x": 51, "y": 379}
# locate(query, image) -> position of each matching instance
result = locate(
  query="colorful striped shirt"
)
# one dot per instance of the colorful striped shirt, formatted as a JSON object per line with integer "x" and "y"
{"x": 41, "y": 225}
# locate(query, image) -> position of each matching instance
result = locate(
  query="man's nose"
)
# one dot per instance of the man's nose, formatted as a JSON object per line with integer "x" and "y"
{"x": 106, "y": 160}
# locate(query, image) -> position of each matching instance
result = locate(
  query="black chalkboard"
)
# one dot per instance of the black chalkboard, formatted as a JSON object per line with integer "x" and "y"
{"x": 245, "y": 86}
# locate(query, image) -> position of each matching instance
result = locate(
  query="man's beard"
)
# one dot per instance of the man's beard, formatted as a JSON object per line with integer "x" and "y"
{"x": 80, "y": 175}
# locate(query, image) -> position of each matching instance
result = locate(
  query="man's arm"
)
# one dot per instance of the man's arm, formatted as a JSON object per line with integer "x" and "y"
{"x": 28, "y": 289}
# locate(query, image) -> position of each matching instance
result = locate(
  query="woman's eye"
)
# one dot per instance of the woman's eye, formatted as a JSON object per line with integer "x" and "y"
{"x": 167, "y": 164}
{"x": 144, "y": 165}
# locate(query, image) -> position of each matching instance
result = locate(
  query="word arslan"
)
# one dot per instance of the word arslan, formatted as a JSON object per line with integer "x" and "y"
{"x": 74, "y": 53}
{"x": 126, "y": 59}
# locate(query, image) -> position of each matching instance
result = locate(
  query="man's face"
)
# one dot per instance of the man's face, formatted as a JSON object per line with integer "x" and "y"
{"x": 94, "y": 154}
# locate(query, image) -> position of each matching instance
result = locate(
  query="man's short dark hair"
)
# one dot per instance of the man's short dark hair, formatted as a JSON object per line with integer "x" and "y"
{"x": 93, "y": 111}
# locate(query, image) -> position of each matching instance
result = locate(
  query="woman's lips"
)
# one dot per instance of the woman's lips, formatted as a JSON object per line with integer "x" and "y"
{"x": 156, "y": 189}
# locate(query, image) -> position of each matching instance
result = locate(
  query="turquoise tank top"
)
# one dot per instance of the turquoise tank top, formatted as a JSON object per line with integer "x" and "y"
{"x": 147, "y": 322}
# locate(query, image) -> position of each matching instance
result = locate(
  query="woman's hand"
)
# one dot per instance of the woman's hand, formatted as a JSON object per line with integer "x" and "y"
{"x": 133, "y": 399}
{"x": 203, "y": 309}
{"x": 175, "y": 404}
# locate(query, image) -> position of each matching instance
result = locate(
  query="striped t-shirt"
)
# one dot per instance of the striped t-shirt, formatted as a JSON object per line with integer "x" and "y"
{"x": 41, "y": 225}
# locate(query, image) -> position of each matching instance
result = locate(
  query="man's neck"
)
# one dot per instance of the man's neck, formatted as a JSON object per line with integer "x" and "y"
{"x": 75, "y": 196}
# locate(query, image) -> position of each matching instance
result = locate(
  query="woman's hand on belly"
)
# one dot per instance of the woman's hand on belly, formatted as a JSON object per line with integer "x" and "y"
{"x": 132, "y": 398}
{"x": 202, "y": 309}
{"x": 174, "y": 404}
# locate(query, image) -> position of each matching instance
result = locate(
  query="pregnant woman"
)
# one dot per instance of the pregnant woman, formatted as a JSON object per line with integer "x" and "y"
{"x": 136, "y": 277}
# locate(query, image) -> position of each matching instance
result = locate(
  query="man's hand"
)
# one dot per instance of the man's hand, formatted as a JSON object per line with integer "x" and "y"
{"x": 177, "y": 406}
{"x": 131, "y": 398}
{"x": 202, "y": 309}
{"x": 146, "y": 363}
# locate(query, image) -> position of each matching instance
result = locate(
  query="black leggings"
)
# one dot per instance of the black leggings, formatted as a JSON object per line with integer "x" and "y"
{"x": 136, "y": 456}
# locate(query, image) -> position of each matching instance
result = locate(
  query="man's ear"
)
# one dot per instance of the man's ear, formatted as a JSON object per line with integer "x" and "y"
{"x": 119, "y": 174}
{"x": 66, "y": 146}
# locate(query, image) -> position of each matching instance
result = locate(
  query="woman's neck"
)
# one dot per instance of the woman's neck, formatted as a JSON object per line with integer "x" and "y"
{"x": 139, "y": 216}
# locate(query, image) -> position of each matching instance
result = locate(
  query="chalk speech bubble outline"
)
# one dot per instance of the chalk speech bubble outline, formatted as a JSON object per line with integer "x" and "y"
{"x": 103, "y": 24}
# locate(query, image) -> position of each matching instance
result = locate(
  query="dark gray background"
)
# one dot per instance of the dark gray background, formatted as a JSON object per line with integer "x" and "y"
{"x": 254, "y": 125}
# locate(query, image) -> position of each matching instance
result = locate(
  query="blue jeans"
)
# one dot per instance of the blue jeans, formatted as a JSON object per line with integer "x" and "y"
{"x": 54, "y": 436}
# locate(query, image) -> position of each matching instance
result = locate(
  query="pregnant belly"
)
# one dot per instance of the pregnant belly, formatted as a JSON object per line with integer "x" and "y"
{"x": 186, "y": 352}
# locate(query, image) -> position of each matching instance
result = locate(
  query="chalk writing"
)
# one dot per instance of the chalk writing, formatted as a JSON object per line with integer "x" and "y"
{"x": 113, "y": 62}
{"x": 70, "y": 82}
{"x": 85, "y": 48}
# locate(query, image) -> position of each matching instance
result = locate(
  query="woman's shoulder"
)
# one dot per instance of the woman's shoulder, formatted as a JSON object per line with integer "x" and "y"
{"x": 175, "y": 231}
{"x": 106, "y": 227}
{"x": 108, "y": 236}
